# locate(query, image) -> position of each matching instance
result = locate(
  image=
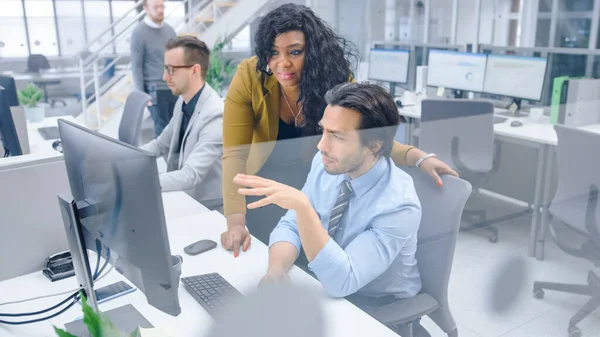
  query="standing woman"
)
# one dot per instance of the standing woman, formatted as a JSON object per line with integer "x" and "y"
{"x": 272, "y": 111}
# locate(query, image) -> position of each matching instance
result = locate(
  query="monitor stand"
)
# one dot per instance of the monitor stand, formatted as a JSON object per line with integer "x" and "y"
{"x": 514, "y": 109}
{"x": 126, "y": 319}
{"x": 459, "y": 94}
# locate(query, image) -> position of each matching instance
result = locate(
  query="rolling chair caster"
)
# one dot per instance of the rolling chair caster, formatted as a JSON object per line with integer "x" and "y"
{"x": 493, "y": 238}
{"x": 574, "y": 332}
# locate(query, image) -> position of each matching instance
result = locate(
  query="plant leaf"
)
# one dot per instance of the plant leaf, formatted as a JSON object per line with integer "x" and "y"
{"x": 62, "y": 333}
{"x": 91, "y": 319}
{"x": 135, "y": 333}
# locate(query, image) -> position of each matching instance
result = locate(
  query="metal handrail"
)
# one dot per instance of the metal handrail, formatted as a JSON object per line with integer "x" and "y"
{"x": 93, "y": 58}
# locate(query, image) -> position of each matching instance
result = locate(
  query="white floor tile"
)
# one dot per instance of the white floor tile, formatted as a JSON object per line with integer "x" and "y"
{"x": 555, "y": 324}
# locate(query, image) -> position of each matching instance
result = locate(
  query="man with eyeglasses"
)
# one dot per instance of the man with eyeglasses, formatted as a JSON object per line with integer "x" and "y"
{"x": 192, "y": 141}
{"x": 147, "y": 46}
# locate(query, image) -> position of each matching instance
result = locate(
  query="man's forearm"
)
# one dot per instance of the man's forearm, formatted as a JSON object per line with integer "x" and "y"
{"x": 312, "y": 234}
{"x": 282, "y": 256}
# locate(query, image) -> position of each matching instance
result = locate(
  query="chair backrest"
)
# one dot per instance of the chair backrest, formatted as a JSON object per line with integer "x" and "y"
{"x": 35, "y": 62}
{"x": 577, "y": 175}
{"x": 442, "y": 209}
{"x": 468, "y": 122}
{"x": 133, "y": 113}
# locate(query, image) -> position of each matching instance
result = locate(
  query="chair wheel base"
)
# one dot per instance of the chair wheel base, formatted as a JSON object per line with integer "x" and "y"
{"x": 574, "y": 332}
{"x": 538, "y": 293}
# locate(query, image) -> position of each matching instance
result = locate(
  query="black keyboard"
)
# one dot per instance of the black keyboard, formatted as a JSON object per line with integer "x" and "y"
{"x": 49, "y": 133}
{"x": 210, "y": 290}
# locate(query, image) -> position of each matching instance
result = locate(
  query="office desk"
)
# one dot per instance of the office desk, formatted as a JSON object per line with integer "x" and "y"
{"x": 341, "y": 317}
{"x": 37, "y": 143}
{"x": 541, "y": 136}
{"x": 529, "y": 134}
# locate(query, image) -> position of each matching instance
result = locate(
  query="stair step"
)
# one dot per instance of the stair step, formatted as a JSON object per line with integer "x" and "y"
{"x": 201, "y": 19}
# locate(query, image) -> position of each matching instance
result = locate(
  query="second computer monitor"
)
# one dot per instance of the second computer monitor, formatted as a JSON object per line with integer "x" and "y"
{"x": 9, "y": 139}
{"x": 456, "y": 70}
{"x": 389, "y": 65}
{"x": 515, "y": 76}
{"x": 11, "y": 90}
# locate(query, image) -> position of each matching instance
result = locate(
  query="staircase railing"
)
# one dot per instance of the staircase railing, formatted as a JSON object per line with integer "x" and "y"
{"x": 90, "y": 57}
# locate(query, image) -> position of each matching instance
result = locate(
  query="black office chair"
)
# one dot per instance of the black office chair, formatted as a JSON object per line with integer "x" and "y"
{"x": 36, "y": 63}
{"x": 575, "y": 208}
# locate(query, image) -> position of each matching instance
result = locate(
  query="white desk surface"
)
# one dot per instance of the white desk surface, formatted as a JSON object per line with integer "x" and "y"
{"x": 541, "y": 132}
{"x": 37, "y": 143}
{"x": 341, "y": 317}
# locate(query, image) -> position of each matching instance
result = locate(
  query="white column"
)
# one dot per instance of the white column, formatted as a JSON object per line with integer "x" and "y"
{"x": 528, "y": 23}
{"x": 390, "y": 21}
{"x": 454, "y": 27}
{"x": 593, "y": 38}
{"x": 553, "y": 24}
{"x": 477, "y": 24}
{"x": 426, "y": 21}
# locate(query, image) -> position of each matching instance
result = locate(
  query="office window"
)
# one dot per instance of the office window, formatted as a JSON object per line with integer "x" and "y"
{"x": 545, "y": 6}
{"x": 440, "y": 22}
{"x": 13, "y": 41}
{"x": 515, "y": 6}
{"x": 42, "y": 28}
{"x": 70, "y": 26}
{"x": 119, "y": 10}
{"x": 513, "y": 33}
{"x": 576, "y": 5}
{"x": 565, "y": 65}
{"x": 596, "y": 68}
{"x": 175, "y": 14}
{"x": 573, "y": 33}
{"x": 97, "y": 17}
{"x": 542, "y": 35}
{"x": 241, "y": 42}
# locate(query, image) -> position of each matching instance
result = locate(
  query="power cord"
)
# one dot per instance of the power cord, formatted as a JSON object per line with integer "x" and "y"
{"x": 57, "y": 294}
{"x": 74, "y": 298}
{"x": 41, "y": 311}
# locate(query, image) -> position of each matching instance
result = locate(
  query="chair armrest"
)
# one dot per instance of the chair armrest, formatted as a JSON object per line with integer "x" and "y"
{"x": 405, "y": 310}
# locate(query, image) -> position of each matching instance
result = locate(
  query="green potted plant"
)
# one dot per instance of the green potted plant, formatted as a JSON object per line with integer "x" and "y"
{"x": 219, "y": 68}
{"x": 97, "y": 324}
{"x": 29, "y": 98}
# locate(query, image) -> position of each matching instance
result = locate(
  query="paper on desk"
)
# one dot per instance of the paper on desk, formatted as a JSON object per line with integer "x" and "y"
{"x": 157, "y": 332}
{"x": 440, "y": 91}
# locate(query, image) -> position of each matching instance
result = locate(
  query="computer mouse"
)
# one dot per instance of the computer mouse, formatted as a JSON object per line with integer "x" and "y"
{"x": 516, "y": 123}
{"x": 57, "y": 145}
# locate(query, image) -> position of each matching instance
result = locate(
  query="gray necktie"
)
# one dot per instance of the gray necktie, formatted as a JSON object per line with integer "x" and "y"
{"x": 340, "y": 206}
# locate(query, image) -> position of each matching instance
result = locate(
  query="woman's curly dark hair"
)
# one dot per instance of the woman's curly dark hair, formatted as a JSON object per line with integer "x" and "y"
{"x": 329, "y": 58}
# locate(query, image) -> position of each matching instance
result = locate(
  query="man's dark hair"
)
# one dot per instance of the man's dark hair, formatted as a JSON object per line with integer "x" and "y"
{"x": 194, "y": 51}
{"x": 379, "y": 114}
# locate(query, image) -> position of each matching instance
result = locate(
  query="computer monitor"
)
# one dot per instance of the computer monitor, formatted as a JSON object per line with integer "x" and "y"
{"x": 11, "y": 90}
{"x": 389, "y": 65}
{"x": 8, "y": 132}
{"x": 518, "y": 77}
{"x": 116, "y": 210}
{"x": 456, "y": 70}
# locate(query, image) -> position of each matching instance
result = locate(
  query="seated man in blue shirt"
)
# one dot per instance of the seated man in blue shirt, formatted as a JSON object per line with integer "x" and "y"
{"x": 358, "y": 214}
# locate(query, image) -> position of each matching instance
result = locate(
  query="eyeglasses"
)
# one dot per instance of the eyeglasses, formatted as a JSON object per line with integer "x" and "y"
{"x": 171, "y": 69}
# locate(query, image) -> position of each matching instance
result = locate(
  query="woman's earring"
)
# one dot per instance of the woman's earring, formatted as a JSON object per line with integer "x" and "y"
{"x": 269, "y": 70}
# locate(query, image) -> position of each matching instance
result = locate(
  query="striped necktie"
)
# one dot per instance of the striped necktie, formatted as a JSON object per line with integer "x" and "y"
{"x": 340, "y": 206}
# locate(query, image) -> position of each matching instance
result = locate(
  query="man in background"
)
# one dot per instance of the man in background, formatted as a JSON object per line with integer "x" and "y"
{"x": 192, "y": 142}
{"x": 148, "y": 45}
